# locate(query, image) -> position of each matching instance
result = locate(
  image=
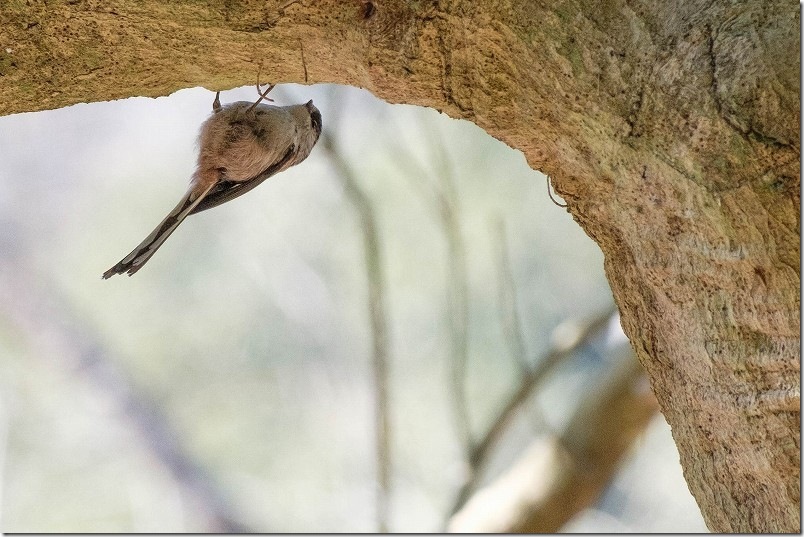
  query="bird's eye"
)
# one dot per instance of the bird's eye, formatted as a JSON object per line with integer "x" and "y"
{"x": 260, "y": 112}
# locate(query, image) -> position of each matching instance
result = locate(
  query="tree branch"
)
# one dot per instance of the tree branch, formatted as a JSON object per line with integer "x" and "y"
{"x": 558, "y": 477}
{"x": 379, "y": 324}
{"x": 482, "y": 450}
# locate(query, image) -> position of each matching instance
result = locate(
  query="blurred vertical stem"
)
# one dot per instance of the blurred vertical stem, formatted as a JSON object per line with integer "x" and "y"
{"x": 379, "y": 325}
{"x": 510, "y": 321}
{"x": 443, "y": 200}
{"x": 457, "y": 292}
{"x": 511, "y": 325}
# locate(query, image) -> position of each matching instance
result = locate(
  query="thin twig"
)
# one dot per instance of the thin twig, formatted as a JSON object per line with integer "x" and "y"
{"x": 441, "y": 196}
{"x": 378, "y": 318}
{"x": 459, "y": 324}
{"x": 511, "y": 325}
{"x": 480, "y": 454}
{"x": 509, "y": 316}
{"x": 457, "y": 286}
{"x": 561, "y": 475}
{"x": 263, "y": 94}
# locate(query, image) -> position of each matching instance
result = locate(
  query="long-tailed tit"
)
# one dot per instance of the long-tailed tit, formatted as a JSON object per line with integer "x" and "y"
{"x": 241, "y": 145}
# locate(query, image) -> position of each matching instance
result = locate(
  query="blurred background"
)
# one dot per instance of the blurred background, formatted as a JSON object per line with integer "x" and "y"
{"x": 402, "y": 333}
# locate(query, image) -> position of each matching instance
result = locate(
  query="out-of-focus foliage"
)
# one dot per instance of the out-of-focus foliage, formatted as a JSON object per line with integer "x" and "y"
{"x": 249, "y": 329}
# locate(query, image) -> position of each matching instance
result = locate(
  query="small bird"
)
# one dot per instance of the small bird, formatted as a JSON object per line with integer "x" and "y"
{"x": 241, "y": 145}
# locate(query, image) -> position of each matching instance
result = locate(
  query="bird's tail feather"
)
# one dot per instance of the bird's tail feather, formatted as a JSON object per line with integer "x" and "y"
{"x": 142, "y": 253}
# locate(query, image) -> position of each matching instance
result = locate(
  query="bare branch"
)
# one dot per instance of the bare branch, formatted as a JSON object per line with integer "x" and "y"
{"x": 457, "y": 286}
{"x": 557, "y": 478}
{"x": 379, "y": 324}
{"x": 480, "y": 454}
{"x": 511, "y": 324}
{"x": 441, "y": 195}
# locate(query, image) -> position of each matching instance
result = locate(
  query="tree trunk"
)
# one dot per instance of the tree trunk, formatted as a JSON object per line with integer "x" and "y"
{"x": 669, "y": 126}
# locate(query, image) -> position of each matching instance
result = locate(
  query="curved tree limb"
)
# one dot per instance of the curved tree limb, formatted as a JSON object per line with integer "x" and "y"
{"x": 670, "y": 128}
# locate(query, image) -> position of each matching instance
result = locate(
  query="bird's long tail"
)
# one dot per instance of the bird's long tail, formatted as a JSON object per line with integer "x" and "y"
{"x": 142, "y": 253}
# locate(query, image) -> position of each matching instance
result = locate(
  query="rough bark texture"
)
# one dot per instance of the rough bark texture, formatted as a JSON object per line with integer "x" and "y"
{"x": 669, "y": 126}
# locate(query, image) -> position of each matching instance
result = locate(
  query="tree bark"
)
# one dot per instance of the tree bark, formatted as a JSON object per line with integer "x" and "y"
{"x": 670, "y": 127}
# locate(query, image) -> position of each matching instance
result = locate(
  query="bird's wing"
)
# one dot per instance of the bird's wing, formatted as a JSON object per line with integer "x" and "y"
{"x": 229, "y": 190}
